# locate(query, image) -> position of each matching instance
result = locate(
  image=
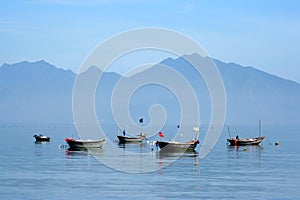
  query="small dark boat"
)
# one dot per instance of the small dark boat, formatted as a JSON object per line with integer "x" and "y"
{"x": 84, "y": 144}
{"x": 245, "y": 141}
{"x": 177, "y": 146}
{"x": 137, "y": 138}
{"x": 41, "y": 138}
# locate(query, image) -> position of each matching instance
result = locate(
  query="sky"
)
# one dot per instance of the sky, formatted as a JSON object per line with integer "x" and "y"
{"x": 262, "y": 34}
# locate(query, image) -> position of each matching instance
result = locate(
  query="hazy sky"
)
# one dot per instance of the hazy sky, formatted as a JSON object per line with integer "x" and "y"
{"x": 263, "y": 34}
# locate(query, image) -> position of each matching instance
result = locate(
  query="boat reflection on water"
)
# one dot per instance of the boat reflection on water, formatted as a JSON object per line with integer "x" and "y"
{"x": 84, "y": 152}
{"x": 187, "y": 159}
{"x": 41, "y": 142}
{"x": 172, "y": 154}
{"x": 131, "y": 145}
{"x": 253, "y": 152}
{"x": 250, "y": 148}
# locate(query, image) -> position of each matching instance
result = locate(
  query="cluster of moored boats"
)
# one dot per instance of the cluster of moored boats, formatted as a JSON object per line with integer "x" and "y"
{"x": 76, "y": 145}
{"x": 163, "y": 145}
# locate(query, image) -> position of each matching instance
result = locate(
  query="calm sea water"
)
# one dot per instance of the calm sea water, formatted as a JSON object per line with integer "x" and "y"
{"x": 47, "y": 171}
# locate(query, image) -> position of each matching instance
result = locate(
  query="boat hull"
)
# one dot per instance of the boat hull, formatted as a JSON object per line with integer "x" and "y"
{"x": 84, "y": 144}
{"x": 177, "y": 146}
{"x": 138, "y": 138}
{"x": 245, "y": 141}
{"x": 41, "y": 138}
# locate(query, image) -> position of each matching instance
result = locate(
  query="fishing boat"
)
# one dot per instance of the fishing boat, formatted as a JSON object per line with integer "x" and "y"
{"x": 174, "y": 146}
{"x": 245, "y": 141}
{"x": 137, "y": 138}
{"x": 84, "y": 144}
{"x": 177, "y": 146}
{"x": 237, "y": 141}
{"x": 41, "y": 138}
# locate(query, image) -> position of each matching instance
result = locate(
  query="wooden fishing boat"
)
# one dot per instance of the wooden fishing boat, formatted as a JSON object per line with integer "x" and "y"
{"x": 137, "y": 138}
{"x": 173, "y": 146}
{"x": 41, "y": 138}
{"x": 177, "y": 146}
{"x": 245, "y": 141}
{"x": 84, "y": 144}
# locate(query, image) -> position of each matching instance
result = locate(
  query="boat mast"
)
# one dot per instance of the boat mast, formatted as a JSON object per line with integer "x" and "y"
{"x": 141, "y": 121}
{"x": 259, "y": 128}
{"x": 196, "y": 132}
{"x": 229, "y": 132}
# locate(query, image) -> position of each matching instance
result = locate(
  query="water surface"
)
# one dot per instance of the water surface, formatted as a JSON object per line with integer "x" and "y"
{"x": 32, "y": 170}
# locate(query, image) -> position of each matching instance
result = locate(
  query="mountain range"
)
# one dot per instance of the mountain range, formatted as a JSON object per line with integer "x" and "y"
{"x": 41, "y": 92}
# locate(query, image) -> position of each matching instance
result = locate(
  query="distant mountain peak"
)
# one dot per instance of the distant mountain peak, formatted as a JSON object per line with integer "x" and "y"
{"x": 42, "y": 62}
{"x": 40, "y": 65}
{"x": 27, "y": 63}
{"x": 91, "y": 69}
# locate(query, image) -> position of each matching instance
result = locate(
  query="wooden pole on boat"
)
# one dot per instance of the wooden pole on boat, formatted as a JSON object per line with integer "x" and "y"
{"x": 141, "y": 121}
{"x": 259, "y": 128}
{"x": 229, "y": 131}
{"x": 196, "y": 132}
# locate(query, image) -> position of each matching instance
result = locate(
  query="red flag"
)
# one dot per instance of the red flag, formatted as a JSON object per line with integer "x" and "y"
{"x": 160, "y": 134}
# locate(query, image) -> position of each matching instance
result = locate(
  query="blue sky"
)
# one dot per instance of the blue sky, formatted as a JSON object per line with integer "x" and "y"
{"x": 263, "y": 34}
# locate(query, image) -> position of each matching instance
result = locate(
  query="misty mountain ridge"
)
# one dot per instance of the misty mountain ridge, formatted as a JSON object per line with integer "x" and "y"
{"x": 39, "y": 92}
